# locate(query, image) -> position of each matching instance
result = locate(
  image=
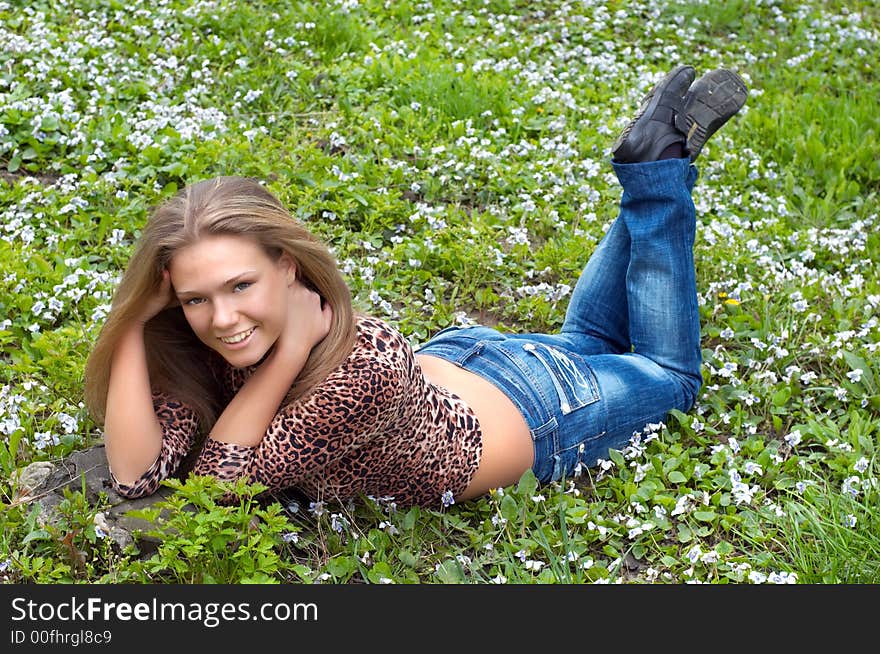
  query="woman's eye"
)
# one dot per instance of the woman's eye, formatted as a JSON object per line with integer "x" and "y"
{"x": 242, "y": 285}
{"x": 193, "y": 301}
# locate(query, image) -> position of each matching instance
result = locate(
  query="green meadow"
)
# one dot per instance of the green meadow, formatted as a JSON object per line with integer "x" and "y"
{"x": 455, "y": 155}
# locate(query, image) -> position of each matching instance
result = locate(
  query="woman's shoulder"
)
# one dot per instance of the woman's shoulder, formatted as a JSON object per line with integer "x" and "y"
{"x": 381, "y": 358}
{"x": 374, "y": 334}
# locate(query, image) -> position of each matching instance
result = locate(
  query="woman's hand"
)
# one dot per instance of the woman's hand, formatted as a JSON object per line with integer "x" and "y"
{"x": 162, "y": 298}
{"x": 307, "y": 321}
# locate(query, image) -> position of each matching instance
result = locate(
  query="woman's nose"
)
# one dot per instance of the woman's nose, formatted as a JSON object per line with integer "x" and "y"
{"x": 224, "y": 315}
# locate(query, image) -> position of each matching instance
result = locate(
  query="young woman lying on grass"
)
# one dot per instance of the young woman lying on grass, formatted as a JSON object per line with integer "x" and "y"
{"x": 232, "y": 339}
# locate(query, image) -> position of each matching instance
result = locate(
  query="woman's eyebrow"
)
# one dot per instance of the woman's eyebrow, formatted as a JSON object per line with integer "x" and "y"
{"x": 226, "y": 283}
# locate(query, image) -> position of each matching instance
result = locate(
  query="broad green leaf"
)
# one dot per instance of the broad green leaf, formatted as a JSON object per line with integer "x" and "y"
{"x": 450, "y": 572}
{"x": 509, "y": 508}
{"x": 380, "y": 573}
{"x": 527, "y": 485}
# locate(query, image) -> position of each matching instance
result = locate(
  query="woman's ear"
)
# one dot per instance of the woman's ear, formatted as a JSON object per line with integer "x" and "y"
{"x": 289, "y": 266}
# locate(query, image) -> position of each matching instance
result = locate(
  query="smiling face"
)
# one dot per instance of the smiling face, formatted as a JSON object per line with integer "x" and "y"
{"x": 234, "y": 296}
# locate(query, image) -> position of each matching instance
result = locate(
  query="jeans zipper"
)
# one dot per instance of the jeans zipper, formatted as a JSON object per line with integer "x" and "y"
{"x": 563, "y": 399}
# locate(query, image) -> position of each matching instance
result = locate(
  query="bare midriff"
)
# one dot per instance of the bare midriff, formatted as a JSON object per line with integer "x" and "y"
{"x": 507, "y": 443}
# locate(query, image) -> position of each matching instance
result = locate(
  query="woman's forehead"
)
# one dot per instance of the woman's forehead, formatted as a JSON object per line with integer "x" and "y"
{"x": 217, "y": 254}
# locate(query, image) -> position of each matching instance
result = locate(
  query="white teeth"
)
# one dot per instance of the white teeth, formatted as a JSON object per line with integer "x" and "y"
{"x": 238, "y": 338}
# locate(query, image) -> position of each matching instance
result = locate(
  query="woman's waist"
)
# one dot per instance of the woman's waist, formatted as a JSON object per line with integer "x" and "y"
{"x": 490, "y": 406}
{"x": 505, "y": 436}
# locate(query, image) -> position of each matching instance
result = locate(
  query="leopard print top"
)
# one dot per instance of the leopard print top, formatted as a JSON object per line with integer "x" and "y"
{"x": 375, "y": 426}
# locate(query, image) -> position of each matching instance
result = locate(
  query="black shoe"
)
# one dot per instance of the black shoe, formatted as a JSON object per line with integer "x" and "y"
{"x": 653, "y": 129}
{"x": 710, "y": 102}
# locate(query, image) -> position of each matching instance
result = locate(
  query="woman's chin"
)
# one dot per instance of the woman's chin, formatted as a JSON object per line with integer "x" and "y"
{"x": 246, "y": 358}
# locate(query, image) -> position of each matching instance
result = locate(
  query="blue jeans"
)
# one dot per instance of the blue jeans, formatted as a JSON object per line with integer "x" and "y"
{"x": 629, "y": 349}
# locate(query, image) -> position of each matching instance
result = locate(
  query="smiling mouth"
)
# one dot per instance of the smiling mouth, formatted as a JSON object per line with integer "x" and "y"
{"x": 238, "y": 338}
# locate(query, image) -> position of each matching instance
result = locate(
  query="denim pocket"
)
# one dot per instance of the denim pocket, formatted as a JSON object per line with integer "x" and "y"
{"x": 572, "y": 378}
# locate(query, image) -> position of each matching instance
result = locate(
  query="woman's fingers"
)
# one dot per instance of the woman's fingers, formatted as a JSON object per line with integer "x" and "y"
{"x": 167, "y": 291}
{"x": 307, "y": 319}
{"x": 162, "y": 298}
{"x": 327, "y": 313}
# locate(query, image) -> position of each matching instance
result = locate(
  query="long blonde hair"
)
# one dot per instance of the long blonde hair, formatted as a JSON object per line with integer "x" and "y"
{"x": 178, "y": 362}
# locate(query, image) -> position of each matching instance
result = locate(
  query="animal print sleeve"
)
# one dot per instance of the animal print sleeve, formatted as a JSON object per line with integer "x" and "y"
{"x": 179, "y": 429}
{"x": 356, "y": 402}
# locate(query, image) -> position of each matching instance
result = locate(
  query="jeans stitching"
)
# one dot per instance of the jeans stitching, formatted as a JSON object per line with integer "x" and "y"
{"x": 558, "y": 376}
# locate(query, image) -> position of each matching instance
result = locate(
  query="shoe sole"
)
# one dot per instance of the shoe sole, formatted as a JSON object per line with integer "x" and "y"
{"x": 651, "y": 101}
{"x": 712, "y": 100}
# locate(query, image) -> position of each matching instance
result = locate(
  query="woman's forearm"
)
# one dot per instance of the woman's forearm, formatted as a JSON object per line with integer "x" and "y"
{"x": 249, "y": 414}
{"x": 132, "y": 433}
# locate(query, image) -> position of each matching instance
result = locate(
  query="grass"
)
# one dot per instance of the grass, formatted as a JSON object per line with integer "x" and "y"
{"x": 455, "y": 155}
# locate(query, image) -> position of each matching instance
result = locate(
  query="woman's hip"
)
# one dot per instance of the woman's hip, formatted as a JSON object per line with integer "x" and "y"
{"x": 576, "y": 407}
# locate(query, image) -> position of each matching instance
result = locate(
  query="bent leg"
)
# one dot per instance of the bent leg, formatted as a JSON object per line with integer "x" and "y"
{"x": 637, "y": 292}
{"x": 664, "y": 319}
{"x": 597, "y": 318}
